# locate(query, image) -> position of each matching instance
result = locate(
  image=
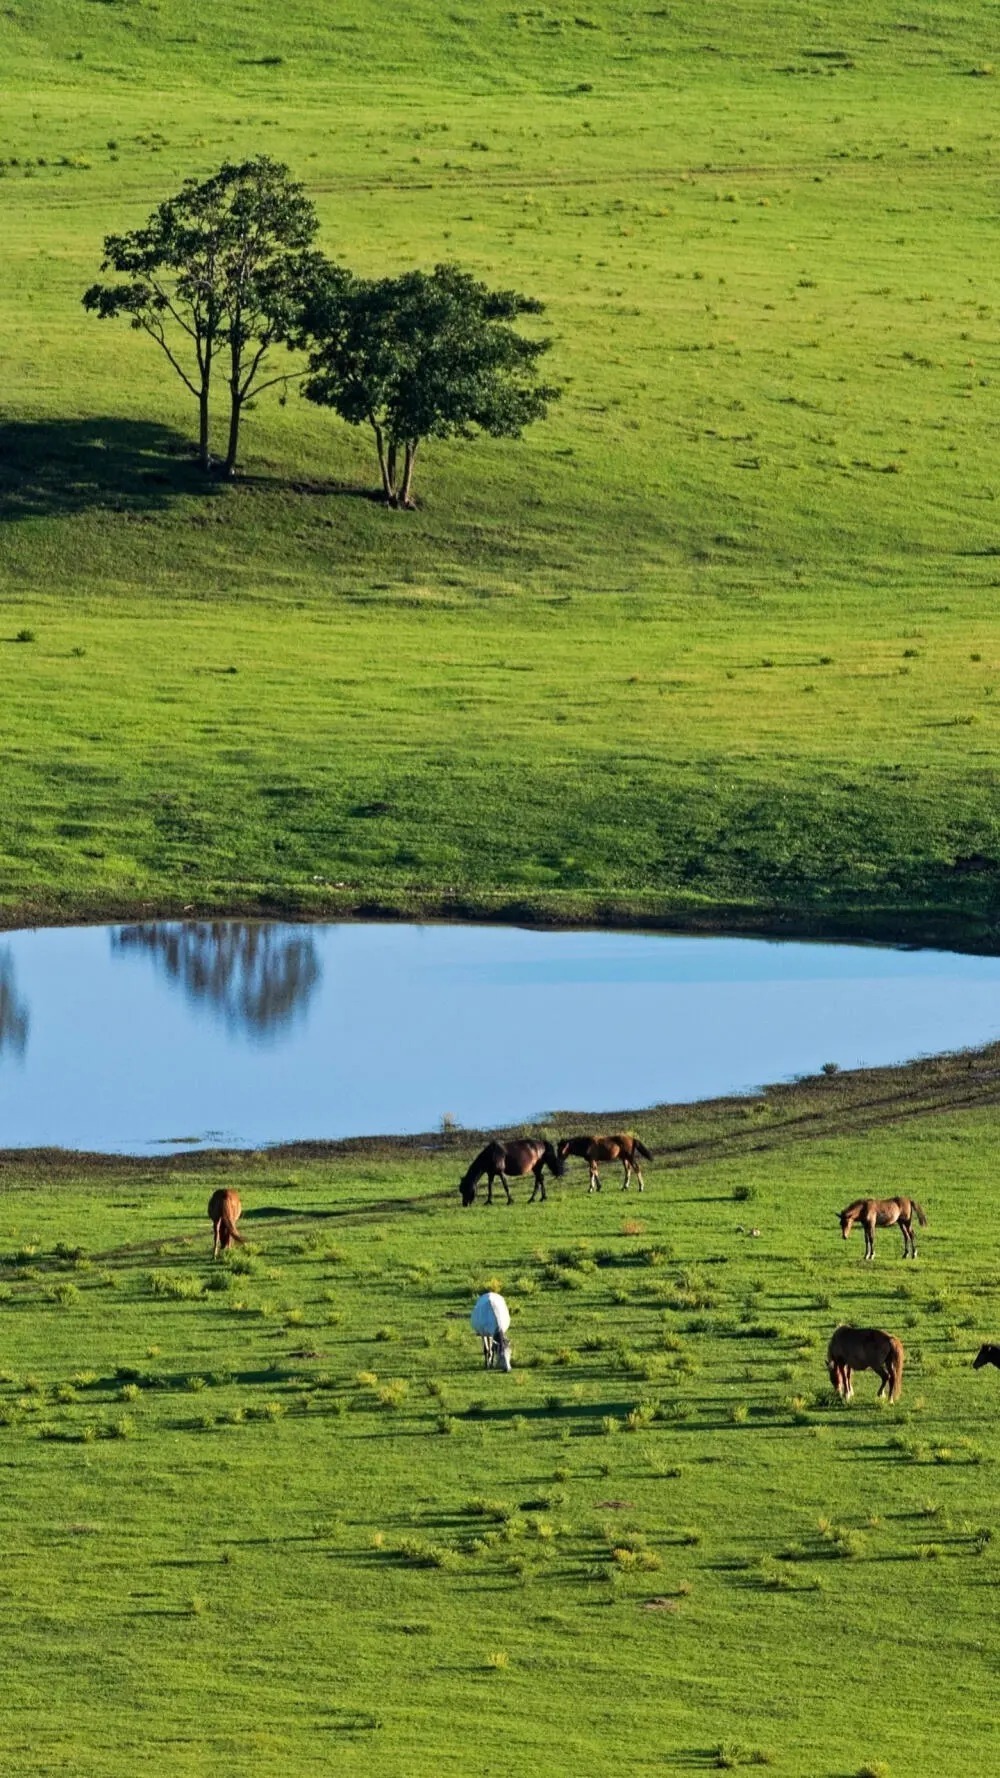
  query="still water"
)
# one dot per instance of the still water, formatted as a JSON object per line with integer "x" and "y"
{"x": 138, "y": 1039}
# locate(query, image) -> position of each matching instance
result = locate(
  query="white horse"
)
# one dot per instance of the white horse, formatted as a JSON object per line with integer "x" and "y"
{"x": 491, "y": 1319}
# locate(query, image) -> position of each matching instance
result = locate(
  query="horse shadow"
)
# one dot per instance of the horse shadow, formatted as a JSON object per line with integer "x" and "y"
{"x": 59, "y": 468}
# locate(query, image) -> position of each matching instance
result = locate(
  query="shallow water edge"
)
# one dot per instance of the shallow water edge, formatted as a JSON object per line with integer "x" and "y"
{"x": 814, "y": 1108}
{"x": 951, "y": 928}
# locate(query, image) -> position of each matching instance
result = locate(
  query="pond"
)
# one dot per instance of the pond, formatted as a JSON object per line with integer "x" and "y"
{"x": 140, "y": 1039}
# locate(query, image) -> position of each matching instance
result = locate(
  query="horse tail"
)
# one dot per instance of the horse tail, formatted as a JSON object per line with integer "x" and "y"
{"x": 921, "y": 1218}
{"x": 641, "y": 1148}
{"x": 894, "y": 1366}
{"x": 228, "y": 1233}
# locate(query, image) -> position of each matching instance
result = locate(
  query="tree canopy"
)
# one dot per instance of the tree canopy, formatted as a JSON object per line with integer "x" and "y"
{"x": 424, "y": 355}
{"x": 213, "y": 275}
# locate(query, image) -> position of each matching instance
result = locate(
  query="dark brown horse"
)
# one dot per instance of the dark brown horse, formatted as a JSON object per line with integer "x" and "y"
{"x": 511, "y": 1160}
{"x": 865, "y": 1349}
{"x": 595, "y": 1149}
{"x": 986, "y": 1355}
{"x": 225, "y": 1210}
{"x": 883, "y": 1213}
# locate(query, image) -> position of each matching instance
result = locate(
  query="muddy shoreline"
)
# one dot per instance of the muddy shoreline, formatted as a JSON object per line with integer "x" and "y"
{"x": 918, "y": 928}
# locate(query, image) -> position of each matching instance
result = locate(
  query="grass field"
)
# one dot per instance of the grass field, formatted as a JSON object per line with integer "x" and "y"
{"x": 717, "y": 641}
{"x": 271, "y": 1517}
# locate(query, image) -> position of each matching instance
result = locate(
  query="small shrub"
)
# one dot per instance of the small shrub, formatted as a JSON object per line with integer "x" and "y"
{"x": 25, "y": 636}
{"x": 498, "y": 1659}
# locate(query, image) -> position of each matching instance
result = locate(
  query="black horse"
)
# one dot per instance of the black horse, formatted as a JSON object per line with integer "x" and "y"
{"x": 986, "y": 1355}
{"x": 511, "y": 1160}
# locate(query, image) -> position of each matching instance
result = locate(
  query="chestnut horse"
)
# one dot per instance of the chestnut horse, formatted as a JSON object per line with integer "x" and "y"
{"x": 865, "y": 1349}
{"x": 503, "y": 1160}
{"x": 883, "y": 1213}
{"x": 595, "y": 1149}
{"x": 225, "y": 1210}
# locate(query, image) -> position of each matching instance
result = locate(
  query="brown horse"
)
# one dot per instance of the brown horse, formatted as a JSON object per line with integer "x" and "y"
{"x": 503, "y": 1160}
{"x": 865, "y": 1349}
{"x": 595, "y": 1149}
{"x": 225, "y": 1210}
{"x": 883, "y": 1213}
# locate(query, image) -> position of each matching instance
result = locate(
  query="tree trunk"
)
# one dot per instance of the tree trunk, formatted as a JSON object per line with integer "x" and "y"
{"x": 408, "y": 461}
{"x": 391, "y": 470}
{"x": 387, "y": 483}
{"x": 203, "y": 453}
{"x": 229, "y": 467}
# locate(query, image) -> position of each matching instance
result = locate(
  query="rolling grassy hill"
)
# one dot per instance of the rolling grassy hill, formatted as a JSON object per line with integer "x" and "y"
{"x": 271, "y": 1517}
{"x": 717, "y": 641}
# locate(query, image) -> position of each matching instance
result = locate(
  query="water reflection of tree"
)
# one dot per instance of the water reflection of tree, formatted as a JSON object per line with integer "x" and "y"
{"x": 256, "y": 977}
{"x": 14, "y": 1021}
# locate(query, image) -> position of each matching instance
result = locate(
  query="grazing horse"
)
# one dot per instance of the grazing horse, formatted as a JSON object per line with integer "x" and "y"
{"x": 595, "y": 1149}
{"x": 986, "y": 1355}
{"x": 882, "y": 1213}
{"x": 865, "y": 1349}
{"x": 491, "y": 1319}
{"x": 503, "y": 1160}
{"x": 225, "y": 1210}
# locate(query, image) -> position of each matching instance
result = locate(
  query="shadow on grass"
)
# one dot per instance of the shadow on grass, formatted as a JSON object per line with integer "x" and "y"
{"x": 56, "y": 468}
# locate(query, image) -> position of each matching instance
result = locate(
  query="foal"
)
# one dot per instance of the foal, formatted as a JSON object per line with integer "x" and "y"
{"x": 883, "y": 1213}
{"x": 595, "y": 1149}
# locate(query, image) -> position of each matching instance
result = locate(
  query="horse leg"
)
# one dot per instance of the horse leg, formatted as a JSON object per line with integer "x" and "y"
{"x": 539, "y": 1183}
{"x": 627, "y": 1172}
{"x": 869, "y": 1241}
{"x": 848, "y": 1383}
{"x": 595, "y": 1178}
{"x": 637, "y": 1170}
{"x": 217, "y": 1234}
{"x": 487, "y": 1351}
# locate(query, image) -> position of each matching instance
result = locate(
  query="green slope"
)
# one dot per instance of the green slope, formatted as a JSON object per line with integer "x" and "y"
{"x": 719, "y": 636}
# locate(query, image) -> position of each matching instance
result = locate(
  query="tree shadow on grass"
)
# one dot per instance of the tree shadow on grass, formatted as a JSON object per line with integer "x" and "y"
{"x": 57, "y": 468}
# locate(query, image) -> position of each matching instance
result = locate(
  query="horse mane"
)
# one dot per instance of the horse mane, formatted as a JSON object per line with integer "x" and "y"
{"x": 578, "y": 1145}
{"x": 478, "y": 1167}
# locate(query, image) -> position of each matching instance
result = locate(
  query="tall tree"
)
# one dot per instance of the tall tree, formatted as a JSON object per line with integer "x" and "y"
{"x": 425, "y": 355}
{"x": 213, "y": 276}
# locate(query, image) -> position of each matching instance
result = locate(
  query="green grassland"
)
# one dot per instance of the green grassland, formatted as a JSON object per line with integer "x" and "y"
{"x": 717, "y": 642}
{"x": 270, "y": 1516}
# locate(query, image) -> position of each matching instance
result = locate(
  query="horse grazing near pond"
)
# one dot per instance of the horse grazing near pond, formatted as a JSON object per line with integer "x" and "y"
{"x": 491, "y": 1321}
{"x": 865, "y": 1349}
{"x": 986, "y": 1355}
{"x": 595, "y": 1149}
{"x": 883, "y": 1213}
{"x": 511, "y": 1160}
{"x": 225, "y": 1210}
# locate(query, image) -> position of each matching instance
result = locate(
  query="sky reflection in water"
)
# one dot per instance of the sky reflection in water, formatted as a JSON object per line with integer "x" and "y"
{"x": 130, "y": 1038}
